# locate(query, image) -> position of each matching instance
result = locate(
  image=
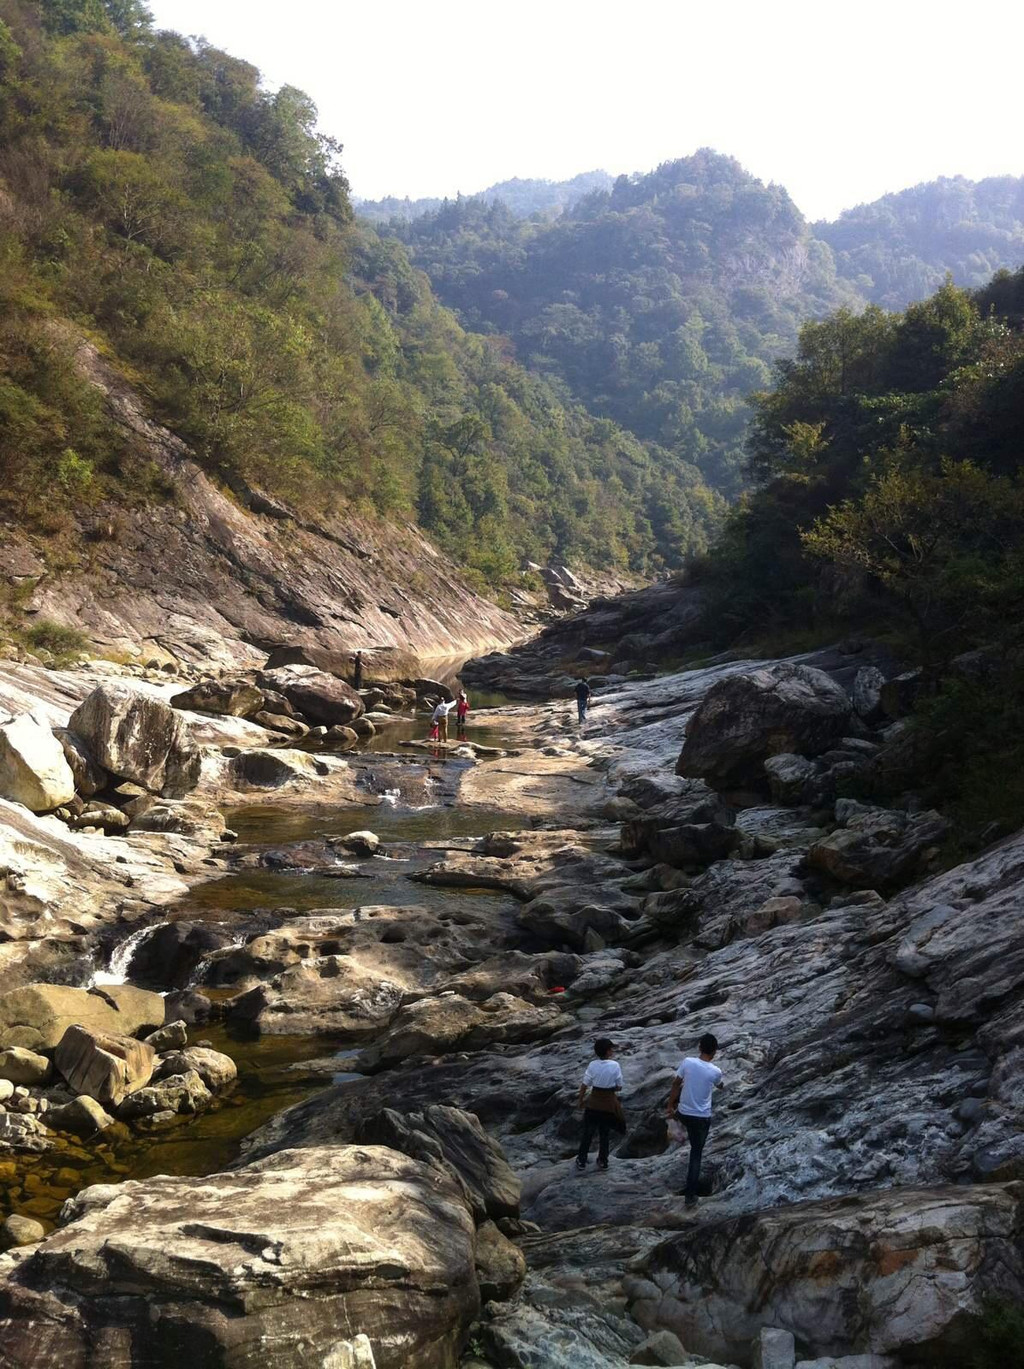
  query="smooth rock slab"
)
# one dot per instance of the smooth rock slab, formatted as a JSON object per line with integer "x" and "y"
{"x": 37, "y": 1015}
{"x": 894, "y": 1271}
{"x": 273, "y": 1265}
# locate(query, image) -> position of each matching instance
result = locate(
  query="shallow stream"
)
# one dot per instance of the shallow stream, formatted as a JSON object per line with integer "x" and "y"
{"x": 274, "y": 1072}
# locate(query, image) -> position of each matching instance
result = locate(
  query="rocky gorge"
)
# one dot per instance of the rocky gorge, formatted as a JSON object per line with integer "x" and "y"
{"x": 289, "y": 1048}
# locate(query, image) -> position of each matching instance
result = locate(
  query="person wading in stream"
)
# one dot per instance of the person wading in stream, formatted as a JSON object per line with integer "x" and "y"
{"x": 461, "y": 712}
{"x": 583, "y": 696}
{"x": 601, "y": 1107}
{"x": 695, "y": 1081}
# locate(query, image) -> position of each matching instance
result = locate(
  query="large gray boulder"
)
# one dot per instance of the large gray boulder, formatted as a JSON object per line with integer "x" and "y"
{"x": 103, "y": 1065}
{"x": 90, "y": 778}
{"x": 899, "y": 1271}
{"x": 228, "y": 698}
{"x": 139, "y": 738}
{"x": 746, "y": 718}
{"x": 276, "y": 1264}
{"x": 877, "y": 848}
{"x": 33, "y": 769}
{"x": 321, "y": 698}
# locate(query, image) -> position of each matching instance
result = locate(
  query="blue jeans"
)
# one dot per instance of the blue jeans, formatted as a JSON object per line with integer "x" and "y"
{"x": 697, "y": 1129}
{"x": 581, "y": 705}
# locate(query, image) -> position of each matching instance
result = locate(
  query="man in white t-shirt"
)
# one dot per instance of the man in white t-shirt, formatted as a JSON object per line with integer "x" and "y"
{"x": 695, "y": 1081}
{"x": 599, "y": 1099}
{"x": 439, "y": 719}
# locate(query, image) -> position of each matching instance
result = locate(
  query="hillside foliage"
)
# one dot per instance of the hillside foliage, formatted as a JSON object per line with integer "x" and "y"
{"x": 659, "y": 303}
{"x": 899, "y": 249}
{"x": 889, "y": 456}
{"x": 662, "y": 300}
{"x": 157, "y": 199}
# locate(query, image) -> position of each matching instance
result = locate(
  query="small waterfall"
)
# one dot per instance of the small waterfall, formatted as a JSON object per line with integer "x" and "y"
{"x": 203, "y": 968}
{"x": 121, "y": 957}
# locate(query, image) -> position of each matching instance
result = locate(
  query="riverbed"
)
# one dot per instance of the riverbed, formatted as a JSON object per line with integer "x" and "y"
{"x": 413, "y": 805}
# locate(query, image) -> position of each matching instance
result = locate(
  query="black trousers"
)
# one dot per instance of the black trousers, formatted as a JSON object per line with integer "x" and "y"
{"x": 697, "y": 1129}
{"x": 601, "y": 1122}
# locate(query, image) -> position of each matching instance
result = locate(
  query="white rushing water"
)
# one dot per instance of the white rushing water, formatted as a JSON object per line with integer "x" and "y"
{"x": 121, "y": 957}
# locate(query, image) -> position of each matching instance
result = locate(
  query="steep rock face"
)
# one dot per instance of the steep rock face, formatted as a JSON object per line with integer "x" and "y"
{"x": 899, "y": 1270}
{"x": 272, "y": 1264}
{"x": 210, "y": 578}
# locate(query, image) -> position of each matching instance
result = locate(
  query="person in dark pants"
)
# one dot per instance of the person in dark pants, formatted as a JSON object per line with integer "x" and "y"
{"x": 601, "y": 1106}
{"x": 583, "y": 693}
{"x": 357, "y": 670}
{"x": 695, "y": 1081}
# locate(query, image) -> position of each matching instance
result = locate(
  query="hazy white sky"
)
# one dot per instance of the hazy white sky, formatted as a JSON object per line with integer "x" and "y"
{"x": 839, "y": 102}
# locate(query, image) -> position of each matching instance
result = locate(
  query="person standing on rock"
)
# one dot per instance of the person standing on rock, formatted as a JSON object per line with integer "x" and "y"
{"x": 461, "y": 712}
{"x": 583, "y": 695}
{"x": 695, "y": 1081}
{"x": 357, "y": 670}
{"x": 601, "y": 1106}
{"x": 439, "y": 721}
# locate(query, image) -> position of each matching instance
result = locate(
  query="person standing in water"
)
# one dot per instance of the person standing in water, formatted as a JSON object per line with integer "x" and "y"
{"x": 583, "y": 695}
{"x": 461, "y": 712}
{"x": 601, "y": 1106}
{"x": 357, "y": 670}
{"x": 695, "y": 1081}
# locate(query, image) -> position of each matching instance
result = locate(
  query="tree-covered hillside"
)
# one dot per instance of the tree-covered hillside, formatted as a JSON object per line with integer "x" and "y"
{"x": 890, "y": 460}
{"x": 523, "y": 197}
{"x": 155, "y": 198}
{"x": 898, "y": 249}
{"x": 660, "y": 303}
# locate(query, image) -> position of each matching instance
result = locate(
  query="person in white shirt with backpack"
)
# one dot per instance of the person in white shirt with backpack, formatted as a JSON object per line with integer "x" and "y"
{"x": 696, "y": 1079}
{"x": 599, "y": 1098}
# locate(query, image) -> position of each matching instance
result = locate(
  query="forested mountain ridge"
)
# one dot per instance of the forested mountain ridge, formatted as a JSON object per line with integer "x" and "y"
{"x": 659, "y": 303}
{"x": 898, "y": 249}
{"x": 524, "y": 197}
{"x": 155, "y": 198}
{"x": 663, "y": 301}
